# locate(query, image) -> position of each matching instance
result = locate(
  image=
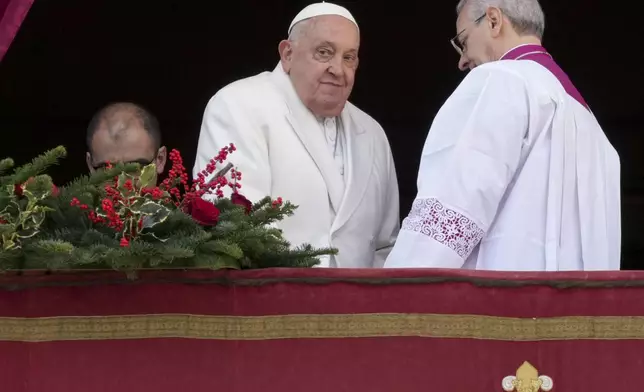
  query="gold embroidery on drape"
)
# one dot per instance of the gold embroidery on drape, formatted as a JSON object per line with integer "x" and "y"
{"x": 319, "y": 327}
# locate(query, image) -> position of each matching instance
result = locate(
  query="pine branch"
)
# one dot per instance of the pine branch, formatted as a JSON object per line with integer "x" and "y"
{"x": 48, "y": 254}
{"x": 222, "y": 247}
{"x": 92, "y": 184}
{"x": 38, "y": 165}
{"x": 265, "y": 214}
{"x": 11, "y": 259}
{"x": 177, "y": 223}
{"x": 5, "y": 165}
{"x": 215, "y": 261}
{"x": 301, "y": 257}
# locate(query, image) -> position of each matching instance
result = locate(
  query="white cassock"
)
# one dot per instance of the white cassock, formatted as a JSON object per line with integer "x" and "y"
{"x": 339, "y": 171}
{"x": 515, "y": 175}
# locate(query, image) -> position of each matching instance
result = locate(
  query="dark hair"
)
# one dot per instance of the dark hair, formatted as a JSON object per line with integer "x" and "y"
{"x": 149, "y": 121}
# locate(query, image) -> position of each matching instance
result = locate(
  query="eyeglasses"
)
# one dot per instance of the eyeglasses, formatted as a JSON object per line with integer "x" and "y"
{"x": 459, "y": 45}
{"x": 141, "y": 162}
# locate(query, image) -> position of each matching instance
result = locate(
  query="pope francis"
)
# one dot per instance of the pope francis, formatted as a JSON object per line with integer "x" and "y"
{"x": 298, "y": 138}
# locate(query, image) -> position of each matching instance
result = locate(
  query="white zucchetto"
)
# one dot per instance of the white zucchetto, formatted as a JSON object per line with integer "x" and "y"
{"x": 319, "y": 9}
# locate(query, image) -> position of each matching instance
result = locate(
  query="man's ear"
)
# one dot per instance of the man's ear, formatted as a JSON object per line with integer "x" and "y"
{"x": 88, "y": 160}
{"x": 162, "y": 156}
{"x": 495, "y": 20}
{"x": 285, "y": 49}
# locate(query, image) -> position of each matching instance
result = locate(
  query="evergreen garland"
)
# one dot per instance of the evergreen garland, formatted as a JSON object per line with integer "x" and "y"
{"x": 118, "y": 218}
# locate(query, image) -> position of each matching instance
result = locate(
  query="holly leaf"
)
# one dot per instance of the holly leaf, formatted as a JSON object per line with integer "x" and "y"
{"x": 137, "y": 203}
{"x": 38, "y": 216}
{"x": 148, "y": 177}
{"x": 153, "y": 213}
{"x": 121, "y": 182}
{"x": 12, "y": 208}
{"x": 6, "y": 229}
{"x": 150, "y": 208}
{"x": 4, "y": 201}
{"x": 30, "y": 196}
{"x": 8, "y": 243}
{"x": 149, "y": 233}
{"x": 27, "y": 233}
{"x": 45, "y": 209}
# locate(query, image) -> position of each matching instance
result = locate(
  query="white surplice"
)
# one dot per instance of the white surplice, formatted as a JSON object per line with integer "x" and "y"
{"x": 339, "y": 172}
{"x": 515, "y": 175}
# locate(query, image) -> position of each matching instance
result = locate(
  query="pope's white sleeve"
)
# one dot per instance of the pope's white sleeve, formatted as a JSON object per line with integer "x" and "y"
{"x": 227, "y": 119}
{"x": 390, "y": 224}
{"x": 471, "y": 154}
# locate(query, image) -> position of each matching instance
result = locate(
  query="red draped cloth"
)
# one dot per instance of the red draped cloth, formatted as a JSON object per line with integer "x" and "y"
{"x": 320, "y": 330}
{"x": 12, "y": 14}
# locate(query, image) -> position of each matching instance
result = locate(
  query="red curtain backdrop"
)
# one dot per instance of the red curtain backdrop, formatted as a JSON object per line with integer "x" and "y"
{"x": 320, "y": 330}
{"x": 12, "y": 14}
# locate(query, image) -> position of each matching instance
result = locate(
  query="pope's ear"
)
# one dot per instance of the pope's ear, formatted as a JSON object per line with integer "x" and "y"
{"x": 286, "y": 54}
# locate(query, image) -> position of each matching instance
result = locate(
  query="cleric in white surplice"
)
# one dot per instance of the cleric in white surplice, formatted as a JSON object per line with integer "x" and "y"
{"x": 516, "y": 173}
{"x": 298, "y": 138}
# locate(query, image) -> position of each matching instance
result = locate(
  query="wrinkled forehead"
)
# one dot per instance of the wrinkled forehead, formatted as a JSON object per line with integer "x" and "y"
{"x": 334, "y": 29}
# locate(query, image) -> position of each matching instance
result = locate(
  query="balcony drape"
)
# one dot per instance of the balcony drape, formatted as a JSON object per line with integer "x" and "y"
{"x": 12, "y": 14}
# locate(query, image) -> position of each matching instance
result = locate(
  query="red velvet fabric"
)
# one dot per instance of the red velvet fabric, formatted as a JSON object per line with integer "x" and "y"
{"x": 12, "y": 14}
{"x": 389, "y": 363}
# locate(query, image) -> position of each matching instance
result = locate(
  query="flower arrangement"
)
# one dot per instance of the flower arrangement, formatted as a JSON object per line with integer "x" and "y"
{"x": 122, "y": 218}
{"x": 21, "y": 210}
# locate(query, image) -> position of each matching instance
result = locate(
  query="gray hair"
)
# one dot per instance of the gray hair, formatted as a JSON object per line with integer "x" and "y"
{"x": 526, "y": 16}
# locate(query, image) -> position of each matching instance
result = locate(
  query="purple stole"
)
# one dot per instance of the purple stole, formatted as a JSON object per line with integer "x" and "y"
{"x": 538, "y": 54}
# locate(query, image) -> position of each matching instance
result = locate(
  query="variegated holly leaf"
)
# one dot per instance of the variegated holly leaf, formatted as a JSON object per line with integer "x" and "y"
{"x": 148, "y": 176}
{"x": 153, "y": 213}
{"x": 122, "y": 179}
{"x": 27, "y": 232}
{"x": 8, "y": 242}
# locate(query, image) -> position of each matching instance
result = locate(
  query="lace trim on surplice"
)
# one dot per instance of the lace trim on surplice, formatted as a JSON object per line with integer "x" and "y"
{"x": 446, "y": 226}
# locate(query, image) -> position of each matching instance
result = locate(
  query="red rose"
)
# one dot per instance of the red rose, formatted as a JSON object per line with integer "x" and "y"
{"x": 54, "y": 190}
{"x": 203, "y": 212}
{"x": 17, "y": 190}
{"x": 241, "y": 200}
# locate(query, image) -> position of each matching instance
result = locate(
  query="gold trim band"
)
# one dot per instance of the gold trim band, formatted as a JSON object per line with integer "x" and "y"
{"x": 319, "y": 327}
